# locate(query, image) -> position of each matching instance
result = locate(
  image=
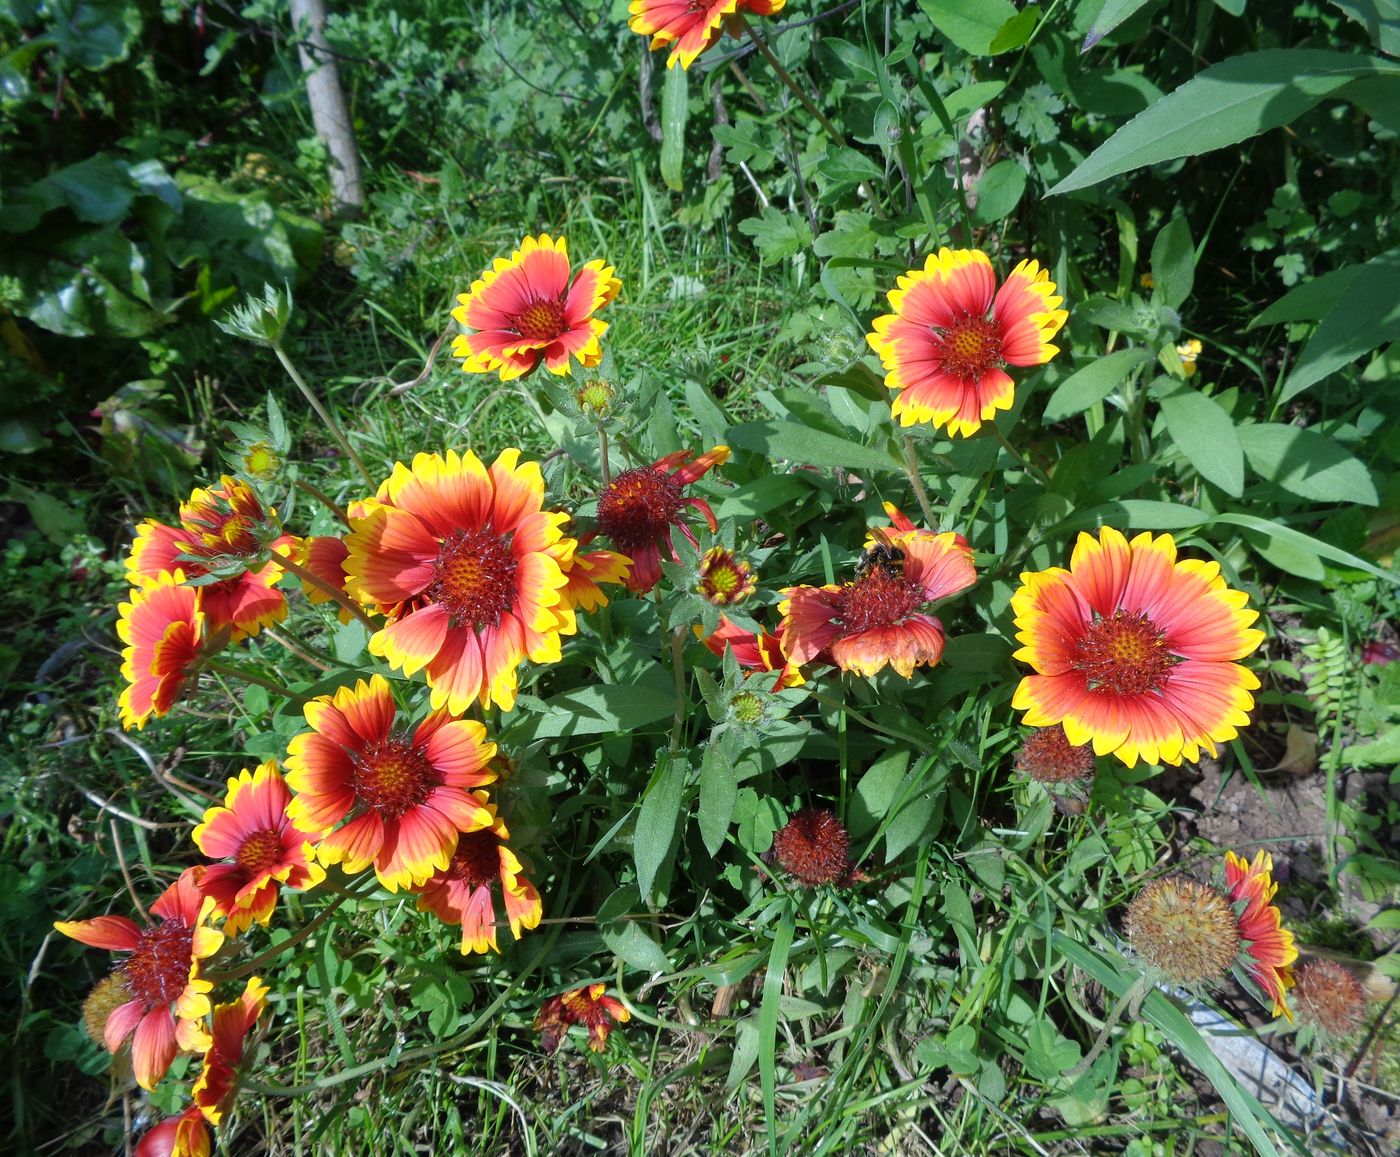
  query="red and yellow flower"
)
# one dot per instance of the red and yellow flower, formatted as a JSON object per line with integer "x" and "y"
{"x": 952, "y": 333}
{"x": 163, "y": 630}
{"x": 462, "y": 892}
{"x": 471, "y": 573}
{"x": 878, "y": 618}
{"x": 182, "y": 1136}
{"x": 402, "y": 798}
{"x": 587, "y": 1006}
{"x": 691, "y": 26}
{"x": 217, "y": 1085}
{"x": 266, "y": 848}
{"x": 725, "y": 579}
{"x": 162, "y": 971}
{"x": 526, "y": 310}
{"x": 1267, "y": 950}
{"x": 1135, "y": 651}
{"x": 639, "y": 508}
{"x": 754, "y": 652}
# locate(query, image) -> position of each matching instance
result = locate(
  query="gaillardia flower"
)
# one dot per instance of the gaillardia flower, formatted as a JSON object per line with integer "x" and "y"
{"x": 223, "y": 546}
{"x": 813, "y": 848}
{"x": 169, "y": 999}
{"x": 182, "y": 1136}
{"x": 267, "y": 850}
{"x": 587, "y": 1006}
{"x": 214, "y": 1091}
{"x": 471, "y": 573}
{"x": 690, "y": 26}
{"x": 878, "y": 618}
{"x": 952, "y": 332}
{"x": 1134, "y": 650}
{"x": 638, "y": 508}
{"x": 1329, "y": 996}
{"x": 405, "y": 796}
{"x": 163, "y": 630}
{"x": 461, "y": 893}
{"x": 725, "y": 579}
{"x": 526, "y": 310}
{"x": 754, "y": 652}
{"x": 1267, "y": 947}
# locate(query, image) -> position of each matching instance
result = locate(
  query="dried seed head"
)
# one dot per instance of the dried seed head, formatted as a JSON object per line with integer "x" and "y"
{"x": 1047, "y": 756}
{"x": 1185, "y": 930}
{"x": 1328, "y": 995}
{"x": 813, "y": 848}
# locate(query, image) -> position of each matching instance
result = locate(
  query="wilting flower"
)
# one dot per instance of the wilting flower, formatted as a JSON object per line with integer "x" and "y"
{"x": 163, "y": 630}
{"x": 1047, "y": 756}
{"x": 754, "y": 652}
{"x": 1377, "y": 653}
{"x": 1268, "y": 948}
{"x": 877, "y": 619}
{"x": 1188, "y": 352}
{"x": 1135, "y": 650}
{"x": 405, "y": 797}
{"x": 214, "y": 1091}
{"x": 814, "y": 848}
{"x": 525, "y": 311}
{"x": 586, "y": 1006}
{"x": 108, "y": 995}
{"x": 1329, "y": 996}
{"x": 471, "y": 573}
{"x": 224, "y": 546}
{"x": 638, "y": 508}
{"x": 169, "y": 999}
{"x": 462, "y": 893}
{"x": 725, "y": 579}
{"x": 953, "y": 331}
{"x": 1186, "y": 930}
{"x": 267, "y": 850}
{"x": 690, "y": 26}
{"x": 182, "y": 1136}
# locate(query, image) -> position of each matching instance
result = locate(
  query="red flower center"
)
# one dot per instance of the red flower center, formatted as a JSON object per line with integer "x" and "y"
{"x": 638, "y": 507}
{"x": 580, "y": 1007}
{"x": 159, "y": 967}
{"x": 541, "y": 320}
{"x": 814, "y": 847}
{"x": 392, "y": 777}
{"x": 474, "y": 577}
{"x": 477, "y": 861}
{"x": 1124, "y": 654}
{"x": 879, "y": 598}
{"x": 261, "y": 851}
{"x": 971, "y": 346}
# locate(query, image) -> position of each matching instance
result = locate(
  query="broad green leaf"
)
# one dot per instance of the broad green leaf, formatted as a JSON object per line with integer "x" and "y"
{"x": 846, "y": 166}
{"x": 970, "y": 98}
{"x": 1380, "y": 18}
{"x": 1366, "y": 316}
{"x": 801, "y": 444}
{"x": 1304, "y": 542}
{"x": 675, "y": 98}
{"x": 1093, "y": 383}
{"x": 1286, "y": 555}
{"x": 999, "y": 192}
{"x": 1307, "y": 464}
{"x": 971, "y": 25}
{"x": 1204, "y": 433}
{"x": 657, "y": 820}
{"x": 1110, "y": 16}
{"x": 1311, "y": 301}
{"x": 1016, "y": 31}
{"x": 1227, "y": 103}
{"x": 600, "y": 709}
{"x": 777, "y": 235}
{"x": 719, "y": 792}
{"x": 629, "y": 939}
{"x": 1174, "y": 262}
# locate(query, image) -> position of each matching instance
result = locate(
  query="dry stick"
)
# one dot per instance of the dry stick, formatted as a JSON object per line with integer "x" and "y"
{"x": 911, "y": 463}
{"x": 112, "y": 809}
{"x": 403, "y": 387}
{"x": 321, "y": 412}
{"x": 331, "y": 589}
{"x": 126, "y": 875}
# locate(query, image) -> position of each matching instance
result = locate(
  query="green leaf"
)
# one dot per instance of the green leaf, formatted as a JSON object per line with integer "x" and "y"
{"x": 675, "y": 106}
{"x": 1110, "y": 16}
{"x": 1312, "y": 300}
{"x": 92, "y": 34}
{"x": 1206, "y": 435}
{"x": 1380, "y": 18}
{"x": 658, "y": 818}
{"x": 1304, "y": 542}
{"x": 971, "y": 25}
{"x": 1093, "y": 383}
{"x": 628, "y": 939}
{"x": 783, "y": 936}
{"x": 801, "y": 444}
{"x": 600, "y": 709}
{"x": 1016, "y": 31}
{"x": 719, "y": 792}
{"x": 1227, "y": 103}
{"x": 846, "y": 166}
{"x": 999, "y": 192}
{"x": 777, "y": 235}
{"x": 1366, "y": 316}
{"x": 1174, "y": 262}
{"x": 1307, "y": 464}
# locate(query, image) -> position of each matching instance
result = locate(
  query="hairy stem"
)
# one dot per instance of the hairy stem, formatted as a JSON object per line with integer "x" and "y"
{"x": 321, "y": 412}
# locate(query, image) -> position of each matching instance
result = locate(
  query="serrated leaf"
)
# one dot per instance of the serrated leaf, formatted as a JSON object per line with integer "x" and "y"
{"x": 1206, "y": 435}
{"x": 777, "y": 235}
{"x": 1092, "y": 383}
{"x": 1227, "y": 103}
{"x": 1307, "y": 464}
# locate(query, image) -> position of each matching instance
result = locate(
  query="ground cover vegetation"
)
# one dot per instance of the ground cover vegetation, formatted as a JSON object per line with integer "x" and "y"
{"x": 802, "y": 579}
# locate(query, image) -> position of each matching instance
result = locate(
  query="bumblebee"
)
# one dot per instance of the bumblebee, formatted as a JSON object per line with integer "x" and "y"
{"x": 882, "y": 553}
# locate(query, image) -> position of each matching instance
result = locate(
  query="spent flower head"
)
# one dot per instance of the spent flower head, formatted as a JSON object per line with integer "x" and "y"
{"x": 1329, "y": 997}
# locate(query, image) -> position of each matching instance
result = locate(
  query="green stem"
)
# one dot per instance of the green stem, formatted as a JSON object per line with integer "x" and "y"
{"x": 603, "y": 455}
{"x": 678, "y": 672}
{"x": 230, "y": 671}
{"x": 1031, "y": 468}
{"x": 292, "y": 941}
{"x": 921, "y": 742}
{"x": 796, "y": 89}
{"x": 1130, "y": 1002}
{"x": 321, "y": 412}
{"x": 911, "y": 465}
{"x": 331, "y": 589}
{"x": 323, "y": 498}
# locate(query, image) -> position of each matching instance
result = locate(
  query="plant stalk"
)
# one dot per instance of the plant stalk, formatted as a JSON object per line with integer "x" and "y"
{"x": 331, "y": 589}
{"x": 232, "y": 672}
{"x": 321, "y": 412}
{"x": 911, "y": 466}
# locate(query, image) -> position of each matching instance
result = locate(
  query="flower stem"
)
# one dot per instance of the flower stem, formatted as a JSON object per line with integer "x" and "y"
{"x": 677, "y": 670}
{"x": 323, "y": 498}
{"x": 786, "y": 77}
{"x": 1129, "y": 1002}
{"x": 232, "y": 672}
{"x": 911, "y": 465}
{"x": 603, "y": 455}
{"x": 321, "y": 412}
{"x": 1031, "y": 468}
{"x": 331, "y": 589}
